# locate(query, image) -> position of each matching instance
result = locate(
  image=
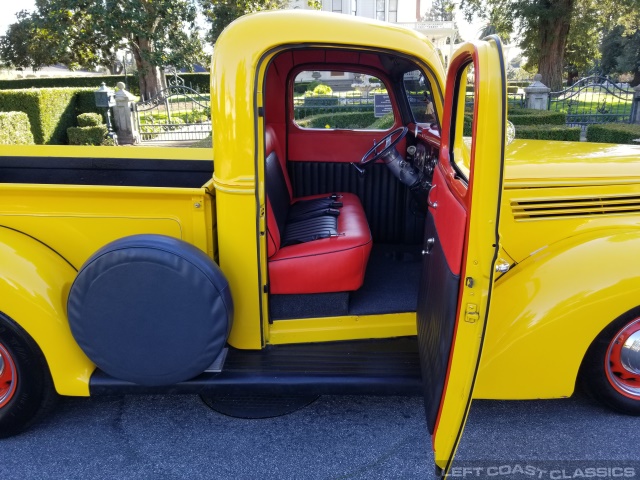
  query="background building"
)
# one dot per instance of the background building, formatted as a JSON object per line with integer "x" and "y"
{"x": 407, "y": 13}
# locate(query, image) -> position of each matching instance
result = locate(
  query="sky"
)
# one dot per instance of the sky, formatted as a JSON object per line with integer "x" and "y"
{"x": 8, "y": 10}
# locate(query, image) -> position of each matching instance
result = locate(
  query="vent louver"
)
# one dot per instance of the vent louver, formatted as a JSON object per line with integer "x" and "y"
{"x": 574, "y": 206}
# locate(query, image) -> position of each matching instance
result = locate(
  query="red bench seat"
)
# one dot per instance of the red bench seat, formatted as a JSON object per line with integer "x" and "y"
{"x": 335, "y": 261}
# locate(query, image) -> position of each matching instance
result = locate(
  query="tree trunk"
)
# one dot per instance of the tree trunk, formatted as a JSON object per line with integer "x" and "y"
{"x": 149, "y": 75}
{"x": 553, "y": 33}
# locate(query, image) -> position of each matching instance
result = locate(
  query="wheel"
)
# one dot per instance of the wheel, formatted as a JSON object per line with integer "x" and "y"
{"x": 611, "y": 369}
{"x": 26, "y": 388}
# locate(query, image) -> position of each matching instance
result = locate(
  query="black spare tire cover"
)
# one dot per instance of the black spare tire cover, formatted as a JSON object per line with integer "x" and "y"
{"x": 150, "y": 309}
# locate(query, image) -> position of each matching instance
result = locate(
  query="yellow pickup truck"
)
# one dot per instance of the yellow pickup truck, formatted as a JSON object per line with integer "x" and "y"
{"x": 418, "y": 254}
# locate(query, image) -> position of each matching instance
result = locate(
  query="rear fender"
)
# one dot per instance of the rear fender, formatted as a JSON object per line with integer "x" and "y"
{"x": 34, "y": 285}
{"x": 550, "y": 307}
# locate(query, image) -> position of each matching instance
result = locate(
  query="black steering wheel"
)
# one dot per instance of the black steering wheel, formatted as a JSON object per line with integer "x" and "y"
{"x": 383, "y": 147}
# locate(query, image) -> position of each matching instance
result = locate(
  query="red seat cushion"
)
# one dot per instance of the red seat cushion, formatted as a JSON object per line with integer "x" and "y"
{"x": 335, "y": 264}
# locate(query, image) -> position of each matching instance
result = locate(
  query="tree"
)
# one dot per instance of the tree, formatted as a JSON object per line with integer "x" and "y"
{"x": 220, "y": 13}
{"x": 621, "y": 43}
{"x": 543, "y": 26}
{"x": 86, "y": 33}
{"x": 22, "y": 46}
{"x": 581, "y": 52}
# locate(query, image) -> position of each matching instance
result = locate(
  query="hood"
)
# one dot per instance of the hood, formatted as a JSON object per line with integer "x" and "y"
{"x": 539, "y": 163}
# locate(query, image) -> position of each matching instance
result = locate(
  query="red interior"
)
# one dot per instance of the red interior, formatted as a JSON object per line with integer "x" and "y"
{"x": 305, "y": 145}
{"x": 333, "y": 264}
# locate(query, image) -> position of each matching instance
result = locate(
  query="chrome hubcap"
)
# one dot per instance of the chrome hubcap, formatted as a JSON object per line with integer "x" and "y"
{"x": 623, "y": 360}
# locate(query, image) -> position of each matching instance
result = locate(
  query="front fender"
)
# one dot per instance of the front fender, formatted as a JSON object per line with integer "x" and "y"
{"x": 34, "y": 285}
{"x": 546, "y": 312}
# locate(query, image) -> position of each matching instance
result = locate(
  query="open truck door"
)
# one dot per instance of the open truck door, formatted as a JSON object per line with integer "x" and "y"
{"x": 461, "y": 240}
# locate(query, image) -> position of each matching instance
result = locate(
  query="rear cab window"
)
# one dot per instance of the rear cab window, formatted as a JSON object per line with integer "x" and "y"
{"x": 345, "y": 100}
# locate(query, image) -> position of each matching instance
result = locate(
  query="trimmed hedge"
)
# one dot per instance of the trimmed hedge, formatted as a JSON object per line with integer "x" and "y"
{"x": 340, "y": 120}
{"x": 197, "y": 81}
{"x": 382, "y": 123}
{"x": 63, "y": 82}
{"x": 86, "y": 102}
{"x": 549, "y": 132}
{"x": 510, "y": 89}
{"x": 535, "y": 132}
{"x": 321, "y": 101}
{"x": 614, "y": 133}
{"x": 15, "y": 129}
{"x": 302, "y": 112}
{"x": 51, "y": 111}
{"x": 89, "y": 119}
{"x": 87, "y": 135}
{"x": 526, "y": 116}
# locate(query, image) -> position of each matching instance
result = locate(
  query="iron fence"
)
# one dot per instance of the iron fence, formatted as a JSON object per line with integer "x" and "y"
{"x": 176, "y": 113}
{"x": 594, "y": 99}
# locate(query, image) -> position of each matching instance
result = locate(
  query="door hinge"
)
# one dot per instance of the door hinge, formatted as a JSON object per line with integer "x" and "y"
{"x": 471, "y": 315}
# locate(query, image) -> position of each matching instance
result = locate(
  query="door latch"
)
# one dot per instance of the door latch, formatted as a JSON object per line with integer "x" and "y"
{"x": 471, "y": 315}
{"x": 429, "y": 246}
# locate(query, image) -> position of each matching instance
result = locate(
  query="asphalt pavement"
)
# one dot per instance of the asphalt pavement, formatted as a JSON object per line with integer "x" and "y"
{"x": 178, "y": 437}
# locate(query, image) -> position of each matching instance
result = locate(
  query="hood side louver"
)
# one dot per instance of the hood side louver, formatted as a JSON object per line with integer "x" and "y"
{"x": 529, "y": 209}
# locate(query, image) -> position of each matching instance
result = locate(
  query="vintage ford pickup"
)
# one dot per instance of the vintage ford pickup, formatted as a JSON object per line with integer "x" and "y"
{"x": 416, "y": 256}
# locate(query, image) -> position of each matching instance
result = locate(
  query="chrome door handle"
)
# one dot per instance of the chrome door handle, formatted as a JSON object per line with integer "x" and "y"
{"x": 430, "y": 243}
{"x": 433, "y": 205}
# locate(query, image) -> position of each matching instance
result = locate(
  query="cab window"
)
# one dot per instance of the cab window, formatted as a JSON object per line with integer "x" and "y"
{"x": 420, "y": 97}
{"x": 341, "y": 100}
{"x": 464, "y": 120}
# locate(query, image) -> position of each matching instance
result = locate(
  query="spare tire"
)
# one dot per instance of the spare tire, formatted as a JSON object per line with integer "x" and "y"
{"x": 150, "y": 309}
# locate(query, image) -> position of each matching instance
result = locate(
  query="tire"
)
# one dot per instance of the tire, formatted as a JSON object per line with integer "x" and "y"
{"x": 26, "y": 388}
{"x": 150, "y": 309}
{"x": 610, "y": 371}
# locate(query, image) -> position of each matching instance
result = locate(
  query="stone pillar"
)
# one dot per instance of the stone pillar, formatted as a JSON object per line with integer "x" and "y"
{"x": 635, "y": 108}
{"x": 537, "y": 94}
{"x": 126, "y": 126}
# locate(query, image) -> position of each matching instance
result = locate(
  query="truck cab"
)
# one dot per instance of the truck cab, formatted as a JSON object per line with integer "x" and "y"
{"x": 364, "y": 224}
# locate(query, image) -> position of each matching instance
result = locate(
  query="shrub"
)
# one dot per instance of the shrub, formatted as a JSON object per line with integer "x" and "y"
{"x": 321, "y": 101}
{"x": 15, "y": 129}
{"x": 527, "y": 116}
{"x": 383, "y": 123}
{"x": 50, "y": 111}
{"x": 322, "y": 90}
{"x": 302, "y": 112}
{"x": 86, "y": 102}
{"x": 613, "y": 133}
{"x": 549, "y": 132}
{"x": 339, "y": 120}
{"x": 197, "y": 81}
{"x": 87, "y": 135}
{"x": 90, "y": 82}
{"x": 541, "y": 132}
{"x": 89, "y": 120}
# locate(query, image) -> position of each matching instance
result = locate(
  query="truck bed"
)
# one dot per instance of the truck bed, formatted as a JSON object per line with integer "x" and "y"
{"x": 77, "y": 199}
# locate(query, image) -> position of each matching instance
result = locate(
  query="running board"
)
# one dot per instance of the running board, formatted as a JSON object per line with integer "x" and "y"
{"x": 368, "y": 367}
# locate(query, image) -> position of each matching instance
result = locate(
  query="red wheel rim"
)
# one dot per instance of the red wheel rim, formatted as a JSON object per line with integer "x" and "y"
{"x": 8, "y": 376}
{"x": 622, "y": 362}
